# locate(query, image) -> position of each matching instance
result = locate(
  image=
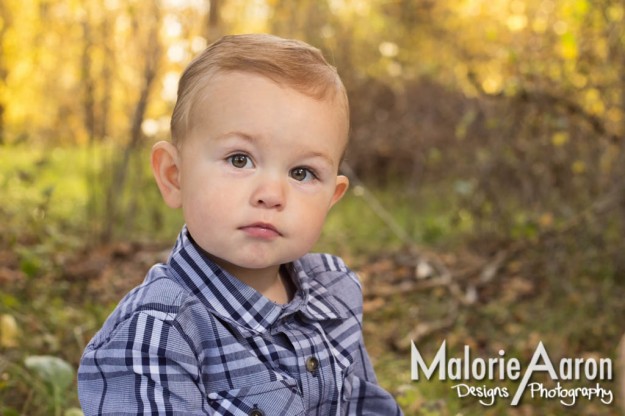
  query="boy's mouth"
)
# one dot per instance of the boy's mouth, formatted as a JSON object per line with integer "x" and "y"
{"x": 261, "y": 230}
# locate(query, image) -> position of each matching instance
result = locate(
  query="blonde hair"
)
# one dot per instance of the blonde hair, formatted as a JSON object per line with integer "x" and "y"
{"x": 285, "y": 61}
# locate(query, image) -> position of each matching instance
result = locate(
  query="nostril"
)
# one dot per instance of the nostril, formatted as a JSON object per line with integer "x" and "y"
{"x": 269, "y": 202}
{"x": 270, "y": 194}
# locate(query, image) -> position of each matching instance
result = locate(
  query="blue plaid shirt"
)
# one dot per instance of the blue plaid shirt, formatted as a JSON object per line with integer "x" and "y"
{"x": 193, "y": 340}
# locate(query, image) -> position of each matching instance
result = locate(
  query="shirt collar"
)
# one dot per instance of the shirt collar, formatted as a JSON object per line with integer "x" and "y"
{"x": 319, "y": 303}
{"x": 233, "y": 300}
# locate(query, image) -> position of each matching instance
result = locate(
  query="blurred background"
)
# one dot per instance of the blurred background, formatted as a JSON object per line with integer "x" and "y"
{"x": 487, "y": 156}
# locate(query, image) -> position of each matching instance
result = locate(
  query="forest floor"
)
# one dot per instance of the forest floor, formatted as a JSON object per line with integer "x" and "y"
{"x": 486, "y": 299}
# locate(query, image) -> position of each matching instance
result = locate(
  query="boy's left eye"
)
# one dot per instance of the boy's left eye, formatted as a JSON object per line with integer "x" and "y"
{"x": 302, "y": 174}
{"x": 240, "y": 161}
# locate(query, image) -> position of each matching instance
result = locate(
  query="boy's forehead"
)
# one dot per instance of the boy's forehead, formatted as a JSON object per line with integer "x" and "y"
{"x": 333, "y": 94}
{"x": 215, "y": 86}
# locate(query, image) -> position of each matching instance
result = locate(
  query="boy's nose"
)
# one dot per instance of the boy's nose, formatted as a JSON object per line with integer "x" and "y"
{"x": 270, "y": 192}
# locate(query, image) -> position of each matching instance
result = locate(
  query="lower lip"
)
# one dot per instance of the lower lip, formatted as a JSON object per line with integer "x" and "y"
{"x": 260, "y": 232}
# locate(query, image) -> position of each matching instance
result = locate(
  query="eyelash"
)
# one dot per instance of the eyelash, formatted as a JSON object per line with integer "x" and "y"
{"x": 248, "y": 159}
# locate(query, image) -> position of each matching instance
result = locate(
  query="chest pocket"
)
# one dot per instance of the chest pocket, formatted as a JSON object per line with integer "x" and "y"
{"x": 268, "y": 399}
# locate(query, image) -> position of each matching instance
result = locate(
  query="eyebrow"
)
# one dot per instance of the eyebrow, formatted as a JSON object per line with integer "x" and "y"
{"x": 238, "y": 134}
{"x": 321, "y": 155}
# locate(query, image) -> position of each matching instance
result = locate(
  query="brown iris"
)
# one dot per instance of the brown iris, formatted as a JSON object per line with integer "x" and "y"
{"x": 299, "y": 174}
{"x": 239, "y": 161}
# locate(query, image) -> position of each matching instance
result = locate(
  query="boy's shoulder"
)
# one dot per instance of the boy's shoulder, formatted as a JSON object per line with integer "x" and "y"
{"x": 158, "y": 296}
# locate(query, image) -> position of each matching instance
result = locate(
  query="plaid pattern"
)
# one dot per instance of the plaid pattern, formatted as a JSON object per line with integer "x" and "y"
{"x": 193, "y": 340}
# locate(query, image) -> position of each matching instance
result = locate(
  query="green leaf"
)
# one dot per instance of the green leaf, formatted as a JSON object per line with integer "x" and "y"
{"x": 55, "y": 372}
{"x": 30, "y": 266}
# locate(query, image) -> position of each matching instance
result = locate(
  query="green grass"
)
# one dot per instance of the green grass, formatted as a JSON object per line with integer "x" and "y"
{"x": 425, "y": 218}
{"x": 57, "y": 194}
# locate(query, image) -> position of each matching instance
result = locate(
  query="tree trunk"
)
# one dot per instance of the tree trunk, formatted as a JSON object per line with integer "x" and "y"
{"x": 213, "y": 27}
{"x": 153, "y": 51}
{"x": 6, "y": 18}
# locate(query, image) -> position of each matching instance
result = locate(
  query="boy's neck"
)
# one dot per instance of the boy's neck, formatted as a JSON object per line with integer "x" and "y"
{"x": 272, "y": 282}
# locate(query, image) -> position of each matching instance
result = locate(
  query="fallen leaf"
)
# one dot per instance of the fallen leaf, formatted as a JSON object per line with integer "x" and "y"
{"x": 9, "y": 331}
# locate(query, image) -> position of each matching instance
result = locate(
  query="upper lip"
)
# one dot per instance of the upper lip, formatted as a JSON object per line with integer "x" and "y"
{"x": 263, "y": 225}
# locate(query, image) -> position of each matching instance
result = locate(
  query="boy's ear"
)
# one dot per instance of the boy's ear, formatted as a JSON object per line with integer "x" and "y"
{"x": 342, "y": 183}
{"x": 165, "y": 167}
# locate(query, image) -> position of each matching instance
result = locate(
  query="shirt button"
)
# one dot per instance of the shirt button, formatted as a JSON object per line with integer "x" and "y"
{"x": 312, "y": 364}
{"x": 256, "y": 412}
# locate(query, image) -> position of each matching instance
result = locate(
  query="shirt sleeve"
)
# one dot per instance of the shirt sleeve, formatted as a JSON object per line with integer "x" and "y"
{"x": 367, "y": 397}
{"x": 146, "y": 366}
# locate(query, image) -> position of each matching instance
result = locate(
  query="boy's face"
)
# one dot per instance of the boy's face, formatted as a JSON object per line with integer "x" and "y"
{"x": 257, "y": 172}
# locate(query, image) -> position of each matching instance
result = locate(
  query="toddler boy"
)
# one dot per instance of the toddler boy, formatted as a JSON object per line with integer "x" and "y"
{"x": 241, "y": 320}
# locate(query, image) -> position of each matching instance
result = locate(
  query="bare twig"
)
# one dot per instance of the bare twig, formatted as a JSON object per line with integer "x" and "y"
{"x": 425, "y": 329}
{"x": 377, "y": 207}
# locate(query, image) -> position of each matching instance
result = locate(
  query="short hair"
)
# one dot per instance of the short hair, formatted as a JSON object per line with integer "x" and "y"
{"x": 289, "y": 62}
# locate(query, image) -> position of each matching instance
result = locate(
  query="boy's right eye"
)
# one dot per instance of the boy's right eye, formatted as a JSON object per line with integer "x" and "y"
{"x": 240, "y": 161}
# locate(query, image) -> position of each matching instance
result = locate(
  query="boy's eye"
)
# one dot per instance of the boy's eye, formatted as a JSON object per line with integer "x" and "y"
{"x": 302, "y": 174}
{"x": 240, "y": 161}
